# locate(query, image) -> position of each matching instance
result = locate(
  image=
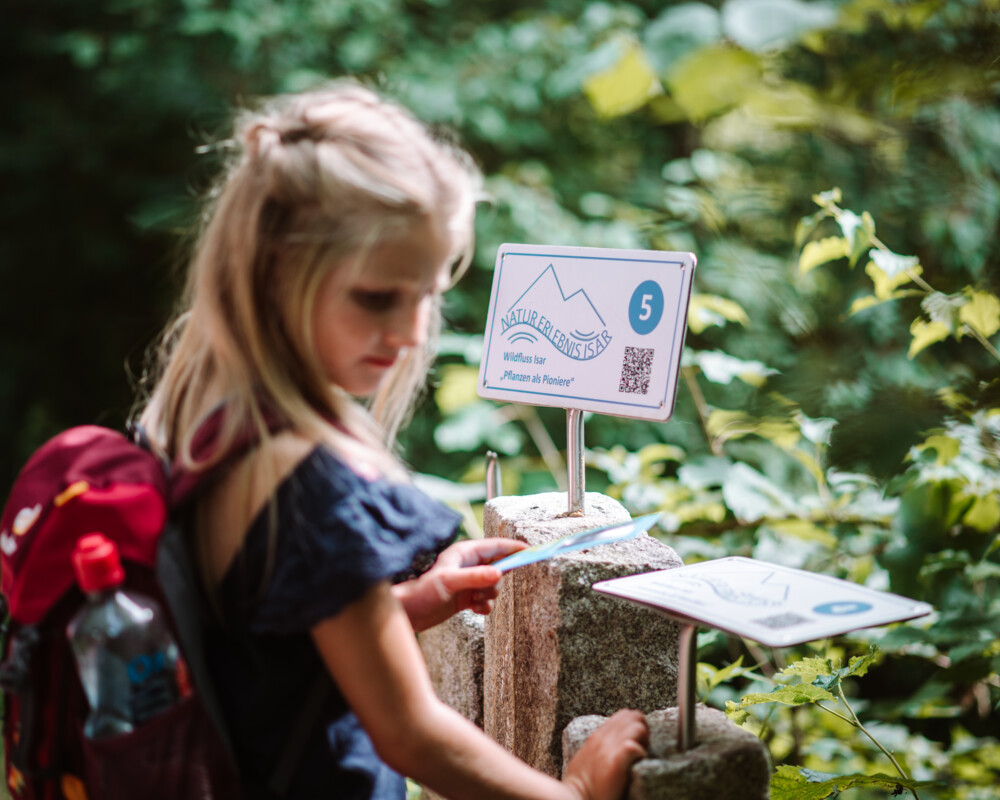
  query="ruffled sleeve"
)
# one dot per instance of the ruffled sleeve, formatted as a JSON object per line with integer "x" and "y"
{"x": 337, "y": 535}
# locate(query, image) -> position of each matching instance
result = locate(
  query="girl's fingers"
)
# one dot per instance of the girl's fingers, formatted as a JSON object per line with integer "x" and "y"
{"x": 483, "y": 608}
{"x": 460, "y": 580}
{"x": 474, "y": 552}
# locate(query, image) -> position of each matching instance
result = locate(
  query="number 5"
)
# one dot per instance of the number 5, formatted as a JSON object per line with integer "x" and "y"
{"x": 647, "y": 309}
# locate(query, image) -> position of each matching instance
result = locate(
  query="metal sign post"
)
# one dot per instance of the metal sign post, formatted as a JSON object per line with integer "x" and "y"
{"x": 686, "y": 681}
{"x": 494, "y": 480}
{"x": 775, "y": 605}
{"x": 575, "y": 465}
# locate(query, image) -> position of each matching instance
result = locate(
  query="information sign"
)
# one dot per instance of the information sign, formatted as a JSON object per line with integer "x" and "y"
{"x": 769, "y": 603}
{"x": 586, "y": 328}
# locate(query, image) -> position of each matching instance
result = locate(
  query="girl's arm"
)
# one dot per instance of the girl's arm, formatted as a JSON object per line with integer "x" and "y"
{"x": 370, "y": 651}
{"x": 459, "y": 579}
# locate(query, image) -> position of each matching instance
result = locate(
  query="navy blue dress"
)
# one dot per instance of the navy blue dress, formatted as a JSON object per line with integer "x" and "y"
{"x": 337, "y": 535}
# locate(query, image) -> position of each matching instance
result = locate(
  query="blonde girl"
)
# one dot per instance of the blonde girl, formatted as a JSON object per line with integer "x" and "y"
{"x": 311, "y": 312}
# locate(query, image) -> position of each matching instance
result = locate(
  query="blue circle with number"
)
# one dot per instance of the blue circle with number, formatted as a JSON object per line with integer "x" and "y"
{"x": 839, "y": 609}
{"x": 645, "y": 309}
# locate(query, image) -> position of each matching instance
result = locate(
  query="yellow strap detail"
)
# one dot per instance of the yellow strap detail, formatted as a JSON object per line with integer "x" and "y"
{"x": 73, "y": 788}
{"x": 71, "y": 491}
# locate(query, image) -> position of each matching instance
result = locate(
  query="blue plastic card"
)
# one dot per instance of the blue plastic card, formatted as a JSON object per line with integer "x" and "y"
{"x": 577, "y": 541}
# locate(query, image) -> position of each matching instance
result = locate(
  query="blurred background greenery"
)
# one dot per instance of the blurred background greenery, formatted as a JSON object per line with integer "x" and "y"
{"x": 834, "y": 165}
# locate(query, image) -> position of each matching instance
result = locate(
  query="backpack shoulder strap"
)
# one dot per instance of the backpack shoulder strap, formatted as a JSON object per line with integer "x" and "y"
{"x": 189, "y": 604}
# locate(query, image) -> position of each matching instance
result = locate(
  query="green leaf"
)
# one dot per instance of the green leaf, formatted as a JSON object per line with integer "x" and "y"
{"x": 807, "y": 669}
{"x": 817, "y": 430}
{"x": 760, "y": 24}
{"x": 722, "y": 368}
{"x": 704, "y": 472}
{"x": 457, "y": 388}
{"x": 751, "y": 496}
{"x": 796, "y": 783}
{"x": 804, "y": 529}
{"x": 954, "y": 399}
{"x": 984, "y": 515}
{"x": 858, "y": 665}
{"x": 822, "y": 251}
{"x": 859, "y": 231}
{"x": 474, "y": 425}
{"x": 709, "y": 677}
{"x": 658, "y": 451}
{"x": 944, "y": 308}
{"x": 679, "y": 30}
{"x": 946, "y": 447}
{"x": 885, "y": 284}
{"x": 709, "y": 309}
{"x": 924, "y": 334}
{"x": 892, "y": 264}
{"x": 981, "y": 313}
{"x": 712, "y": 79}
{"x": 807, "y": 225}
{"x": 798, "y": 695}
{"x": 626, "y": 85}
{"x": 863, "y": 303}
{"x": 828, "y": 199}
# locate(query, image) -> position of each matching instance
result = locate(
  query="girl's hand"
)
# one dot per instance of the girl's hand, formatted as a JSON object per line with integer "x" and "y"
{"x": 600, "y": 770}
{"x": 459, "y": 579}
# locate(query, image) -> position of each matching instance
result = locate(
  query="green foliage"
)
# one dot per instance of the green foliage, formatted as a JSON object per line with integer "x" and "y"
{"x": 795, "y": 783}
{"x": 839, "y": 407}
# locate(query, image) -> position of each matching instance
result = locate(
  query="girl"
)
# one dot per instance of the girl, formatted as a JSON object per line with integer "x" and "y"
{"x": 316, "y": 280}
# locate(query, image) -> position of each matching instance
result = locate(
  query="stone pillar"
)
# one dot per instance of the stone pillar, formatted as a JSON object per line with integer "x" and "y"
{"x": 726, "y": 762}
{"x": 453, "y": 651}
{"x": 555, "y": 649}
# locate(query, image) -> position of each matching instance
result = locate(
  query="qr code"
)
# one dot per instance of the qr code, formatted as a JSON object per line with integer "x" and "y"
{"x": 777, "y": 621}
{"x": 636, "y": 367}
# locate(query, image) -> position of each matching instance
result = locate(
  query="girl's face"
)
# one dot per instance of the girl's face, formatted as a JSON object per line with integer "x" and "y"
{"x": 365, "y": 318}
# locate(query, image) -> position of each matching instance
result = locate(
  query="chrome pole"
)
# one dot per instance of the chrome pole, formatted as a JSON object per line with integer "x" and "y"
{"x": 494, "y": 481}
{"x": 574, "y": 460}
{"x": 686, "y": 675}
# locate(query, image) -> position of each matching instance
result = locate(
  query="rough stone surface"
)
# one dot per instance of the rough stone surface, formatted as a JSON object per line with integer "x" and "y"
{"x": 726, "y": 762}
{"x": 454, "y": 652}
{"x": 555, "y": 649}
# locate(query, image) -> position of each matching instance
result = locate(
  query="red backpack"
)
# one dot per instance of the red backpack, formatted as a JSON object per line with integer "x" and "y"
{"x": 92, "y": 479}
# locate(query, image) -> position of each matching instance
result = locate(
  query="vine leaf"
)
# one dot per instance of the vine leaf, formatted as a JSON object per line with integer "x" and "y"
{"x": 892, "y": 264}
{"x": 984, "y": 514}
{"x": 981, "y": 313}
{"x": 855, "y": 668}
{"x": 796, "y": 783}
{"x": 946, "y": 448}
{"x": 886, "y": 284}
{"x": 719, "y": 367}
{"x": 924, "y": 334}
{"x": 798, "y": 695}
{"x": 709, "y": 309}
{"x": 709, "y": 677}
{"x": 626, "y": 85}
{"x": 822, "y": 251}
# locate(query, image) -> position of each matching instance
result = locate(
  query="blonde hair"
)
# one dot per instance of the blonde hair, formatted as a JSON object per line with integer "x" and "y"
{"x": 314, "y": 178}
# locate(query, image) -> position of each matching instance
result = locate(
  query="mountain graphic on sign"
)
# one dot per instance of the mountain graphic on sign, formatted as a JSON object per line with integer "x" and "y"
{"x": 747, "y": 588}
{"x": 575, "y": 313}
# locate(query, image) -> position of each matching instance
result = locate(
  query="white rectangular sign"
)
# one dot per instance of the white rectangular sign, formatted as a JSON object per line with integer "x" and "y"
{"x": 772, "y": 604}
{"x": 590, "y": 328}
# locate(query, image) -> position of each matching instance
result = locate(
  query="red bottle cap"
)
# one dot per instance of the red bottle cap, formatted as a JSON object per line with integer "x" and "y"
{"x": 96, "y": 562}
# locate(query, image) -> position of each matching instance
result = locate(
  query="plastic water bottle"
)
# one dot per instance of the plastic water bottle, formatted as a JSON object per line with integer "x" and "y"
{"x": 128, "y": 662}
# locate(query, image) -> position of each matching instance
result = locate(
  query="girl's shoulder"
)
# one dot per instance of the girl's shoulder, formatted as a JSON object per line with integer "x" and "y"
{"x": 228, "y": 508}
{"x": 330, "y": 535}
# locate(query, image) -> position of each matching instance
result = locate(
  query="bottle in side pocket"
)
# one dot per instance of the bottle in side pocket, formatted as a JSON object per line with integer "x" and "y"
{"x": 127, "y": 659}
